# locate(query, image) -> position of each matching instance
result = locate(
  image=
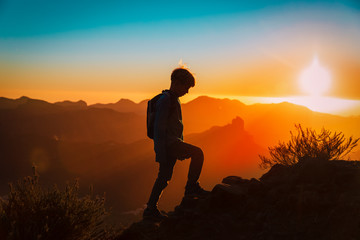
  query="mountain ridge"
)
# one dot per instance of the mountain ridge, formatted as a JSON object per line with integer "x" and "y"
{"x": 268, "y": 123}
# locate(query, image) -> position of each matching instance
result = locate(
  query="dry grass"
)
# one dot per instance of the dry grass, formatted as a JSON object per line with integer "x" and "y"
{"x": 31, "y": 212}
{"x": 308, "y": 144}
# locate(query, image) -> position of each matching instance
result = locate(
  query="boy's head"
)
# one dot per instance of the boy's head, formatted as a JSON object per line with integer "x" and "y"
{"x": 181, "y": 80}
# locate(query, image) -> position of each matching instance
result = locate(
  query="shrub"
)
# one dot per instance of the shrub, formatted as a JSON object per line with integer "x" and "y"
{"x": 32, "y": 212}
{"x": 308, "y": 144}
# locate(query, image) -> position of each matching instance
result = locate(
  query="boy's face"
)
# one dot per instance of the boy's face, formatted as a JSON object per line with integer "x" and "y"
{"x": 182, "y": 89}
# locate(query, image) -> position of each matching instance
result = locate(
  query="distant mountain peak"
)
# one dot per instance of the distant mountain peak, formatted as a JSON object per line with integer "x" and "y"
{"x": 124, "y": 105}
{"x": 72, "y": 105}
{"x": 23, "y": 98}
{"x": 7, "y": 103}
{"x": 207, "y": 99}
{"x": 238, "y": 121}
{"x": 125, "y": 101}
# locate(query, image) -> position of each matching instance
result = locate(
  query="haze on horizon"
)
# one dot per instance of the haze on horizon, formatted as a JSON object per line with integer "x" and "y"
{"x": 254, "y": 52}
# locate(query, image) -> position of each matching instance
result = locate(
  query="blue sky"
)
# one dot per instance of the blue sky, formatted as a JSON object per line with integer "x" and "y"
{"x": 23, "y": 18}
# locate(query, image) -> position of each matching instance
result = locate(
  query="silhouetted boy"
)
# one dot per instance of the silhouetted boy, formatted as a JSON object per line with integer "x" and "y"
{"x": 168, "y": 142}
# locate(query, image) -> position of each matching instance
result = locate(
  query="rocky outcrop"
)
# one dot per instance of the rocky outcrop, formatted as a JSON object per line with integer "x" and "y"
{"x": 310, "y": 200}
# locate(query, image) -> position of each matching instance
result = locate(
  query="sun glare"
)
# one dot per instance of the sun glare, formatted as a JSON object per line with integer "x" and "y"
{"x": 315, "y": 80}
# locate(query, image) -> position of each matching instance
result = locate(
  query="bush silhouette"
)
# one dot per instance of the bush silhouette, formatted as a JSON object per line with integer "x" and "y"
{"x": 308, "y": 144}
{"x": 32, "y": 212}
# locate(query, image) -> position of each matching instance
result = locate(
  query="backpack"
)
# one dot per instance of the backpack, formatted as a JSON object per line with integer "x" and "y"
{"x": 151, "y": 113}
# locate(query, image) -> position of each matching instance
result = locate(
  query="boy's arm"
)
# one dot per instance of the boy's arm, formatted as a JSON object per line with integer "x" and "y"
{"x": 160, "y": 126}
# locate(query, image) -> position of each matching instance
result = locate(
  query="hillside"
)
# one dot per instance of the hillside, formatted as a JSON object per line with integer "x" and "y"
{"x": 69, "y": 121}
{"x": 310, "y": 200}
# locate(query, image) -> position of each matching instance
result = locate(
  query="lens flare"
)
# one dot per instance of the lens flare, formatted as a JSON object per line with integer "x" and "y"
{"x": 315, "y": 80}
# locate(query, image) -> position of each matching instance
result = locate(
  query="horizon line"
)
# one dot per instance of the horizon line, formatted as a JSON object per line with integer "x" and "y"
{"x": 343, "y": 107}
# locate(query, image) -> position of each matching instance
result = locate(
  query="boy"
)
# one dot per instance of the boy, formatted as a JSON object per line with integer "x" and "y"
{"x": 169, "y": 145}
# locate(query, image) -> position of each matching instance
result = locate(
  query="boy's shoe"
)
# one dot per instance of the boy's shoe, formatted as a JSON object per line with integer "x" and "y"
{"x": 153, "y": 213}
{"x": 194, "y": 190}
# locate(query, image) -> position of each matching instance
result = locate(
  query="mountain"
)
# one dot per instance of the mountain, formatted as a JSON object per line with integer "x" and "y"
{"x": 267, "y": 123}
{"x": 26, "y": 105}
{"x": 234, "y": 145}
{"x": 7, "y": 103}
{"x": 124, "y": 105}
{"x": 205, "y": 112}
{"x": 310, "y": 200}
{"x": 72, "y": 105}
{"x": 274, "y": 121}
{"x": 26, "y": 102}
{"x": 69, "y": 121}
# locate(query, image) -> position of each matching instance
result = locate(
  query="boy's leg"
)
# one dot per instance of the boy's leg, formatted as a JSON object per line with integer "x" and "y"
{"x": 182, "y": 150}
{"x": 164, "y": 176}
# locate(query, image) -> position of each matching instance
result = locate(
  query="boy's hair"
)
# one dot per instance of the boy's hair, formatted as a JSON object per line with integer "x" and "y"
{"x": 183, "y": 76}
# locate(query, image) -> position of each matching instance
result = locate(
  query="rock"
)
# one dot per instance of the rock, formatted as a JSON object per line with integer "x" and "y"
{"x": 234, "y": 180}
{"x": 189, "y": 203}
{"x": 138, "y": 231}
{"x": 277, "y": 173}
{"x": 309, "y": 200}
{"x": 226, "y": 189}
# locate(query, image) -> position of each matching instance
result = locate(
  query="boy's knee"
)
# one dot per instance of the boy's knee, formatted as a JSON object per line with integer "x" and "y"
{"x": 199, "y": 153}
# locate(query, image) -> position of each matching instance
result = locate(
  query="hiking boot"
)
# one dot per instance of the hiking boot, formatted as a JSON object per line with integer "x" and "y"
{"x": 194, "y": 190}
{"x": 153, "y": 213}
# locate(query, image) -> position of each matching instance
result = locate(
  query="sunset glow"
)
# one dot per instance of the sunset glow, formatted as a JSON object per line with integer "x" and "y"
{"x": 315, "y": 79}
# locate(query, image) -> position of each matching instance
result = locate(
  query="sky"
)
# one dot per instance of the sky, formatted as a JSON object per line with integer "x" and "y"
{"x": 102, "y": 51}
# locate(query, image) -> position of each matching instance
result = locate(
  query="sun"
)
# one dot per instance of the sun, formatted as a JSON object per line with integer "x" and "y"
{"x": 315, "y": 79}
